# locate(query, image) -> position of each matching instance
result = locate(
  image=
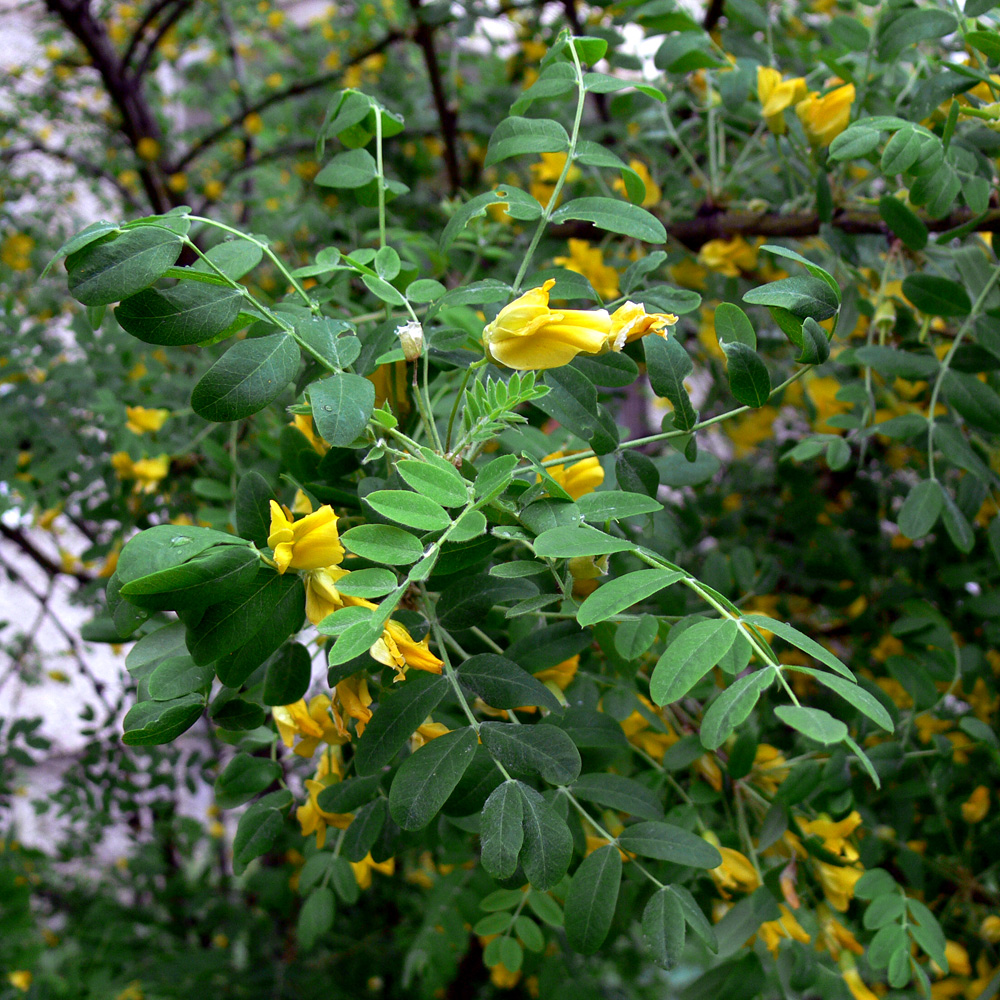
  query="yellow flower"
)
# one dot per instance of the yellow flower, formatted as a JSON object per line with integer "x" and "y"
{"x": 857, "y": 985}
{"x": 977, "y": 805}
{"x": 253, "y": 123}
{"x": 561, "y": 674}
{"x": 313, "y": 723}
{"x": 834, "y": 936}
{"x": 147, "y": 148}
{"x": 177, "y": 182}
{"x": 653, "y": 192}
{"x": 20, "y": 979}
{"x": 354, "y": 699}
{"x": 398, "y": 649}
{"x": 15, "y": 251}
{"x": 363, "y": 869}
{"x": 989, "y": 929}
{"x": 822, "y": 393}
{"x": 139, "y": 419}
{"x": 589, "y": 261}
{"x": 213, "y": 190}
{"x": 545, "y": 174}
{"x": 769, "y": 769}
{"x": 957, "y": 958}
{"x": 786, "y": 926}
{"x": 528, "y": 335}
{"x": 736, "y": 871}
{"x": 631, "y": 321}
{"x": 580, "y": 478}
{"x": 776, "y": 94}
{"x": 311, "y": 542}
{"x": 824, "y": 118}
{"x": 728, "y": 257}
{"x": 427, "y": 731}
{"x": 322, "y": 596}
{"x": 838, "y": 883}
{"x": 502, "y": 978}
{"x": 311, "y": 818}
{"x": 131, "y": 992}
{"x": 751, "y": 429}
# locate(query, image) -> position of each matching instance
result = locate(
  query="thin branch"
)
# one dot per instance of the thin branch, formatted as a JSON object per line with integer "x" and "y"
{"x": 712, "y": 14}
{"x": 175, "y": 15}
{"x": 148, "y": 18}
{"x": 44, "y": 562}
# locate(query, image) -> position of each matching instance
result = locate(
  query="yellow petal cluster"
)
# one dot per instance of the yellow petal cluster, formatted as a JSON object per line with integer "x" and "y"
{"x": 139, "y": 420}
{"x": 147, "y": 472}
{"x": 312, "y": 723}
{"x": 824, "y": 118}
{"x": 311, "y": 818}
{"x": 631, "y": 321}
{"x": 545, "y": 174}
{"x": 977, "y": 805}
{"x": 728, "y": 257}
{"x": 363, "y": 869}
{"x": 776, "y": 95}
{"x": 786, "y": 926}
{"x": 398, "y": 649}
{"x": 589, "y": 261}
{"x": 579, "y": 478}
{"x": 311, "y": 542}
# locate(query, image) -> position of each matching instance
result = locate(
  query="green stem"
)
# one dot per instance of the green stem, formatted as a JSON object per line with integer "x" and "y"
{"x": 381, "y": 178}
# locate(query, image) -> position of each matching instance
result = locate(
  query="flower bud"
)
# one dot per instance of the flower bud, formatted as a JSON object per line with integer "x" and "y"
{"x": 411, "y": 339}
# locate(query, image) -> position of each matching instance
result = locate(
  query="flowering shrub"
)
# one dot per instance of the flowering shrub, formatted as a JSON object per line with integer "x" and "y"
{"x": 612, "y": 576}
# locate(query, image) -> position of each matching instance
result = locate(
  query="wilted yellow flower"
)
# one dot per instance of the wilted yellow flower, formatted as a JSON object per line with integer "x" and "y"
{"x": 653, "y": 192}
{"x": 15, "y": 252}
{"x": 311, "y": 542}
{"x": 398, "y": 649}
{"x": 311, "y": 818}
{"x": 776, "y": 94}
{"x": 630, "y": 321}
{"x": 363, "y": 869}
{"x": 313, "y": 724}
{"x": 824, "y": 118}
{"x": 834, "y": 936}
{"x": 977, "y": 805}
{"x": 528, "y": 335}
{"x": 354, "y": 699}
{"x": 545, "y": 174}
{"x": 589, "y": 261}
{"x": 579, "y": 478}
{"x": 728, "y": 257}
{"x": 139, "y": 419}
{"x": 322, "y": 596}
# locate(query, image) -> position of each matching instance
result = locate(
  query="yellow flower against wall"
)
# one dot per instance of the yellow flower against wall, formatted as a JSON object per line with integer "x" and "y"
{"x": 545, "y": 174}
{"x": 776, "y": 95}
{"x": 728, "y": 257}
{"x": 824, "y": 118}
{"x": 528, "y": 335}
{"x": 139, "y": 420}
{"x": 654, "y": 194}
{"x": 578, "y": 478}
{"x": 589, "y": 261}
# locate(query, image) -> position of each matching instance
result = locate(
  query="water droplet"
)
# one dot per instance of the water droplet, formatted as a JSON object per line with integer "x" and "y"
{"x": 181, "y": 540}
{"x": 328, "y": 408}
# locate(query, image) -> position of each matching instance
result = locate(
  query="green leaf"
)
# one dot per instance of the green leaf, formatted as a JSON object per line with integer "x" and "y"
{"x": 974, "y": 400}
{"x": 412, "y": 509}
{"x": 515, "y": 136}
{"x": 315, "y": 917}
{"x": 732, "y": 325}
{"x": 150, "y": 723}
{"x": 814, "y": 269}
{"x": 815, "y": 343}
{"x": 383, "y": 543}
{"x": 188, "y": 313}
{"x": 855, "y": 142}
{"x": 427, "y": 777}
{"x": 897, "y": 34}
{"x": 239, "y": 715}
{"x": 733, "y": 707}
{"x": 801, "y": 296}
{"x": 548, "y": 844}
{"x": 367, "y": 583}
{"x": 748, "y": 377}
{"x": 234, "y": 258}
{"x": 469, "y": 525}
{"x": 251, "y": 374}
{"x": 591, "y": 899}
{"x": 801, "y": 641}
{"x": 614, "y": 216}
{"x": 668, "y": 364}
{"x": 154, "y": 648}
{"x": 894, "y": 362}
{"x": 663, "y": 926}
{"x": 349, "y": 795}
{"x": 936, "y": 296}
{"x": 617, "y": 792}
{"x": 617, "y": 595}
{"x": 812, "y": 722}
{"x": 364, "y": 829}
{"x": 921, "y": 509}
{"x": 530, "y": 750}
{"x": 695, "y": 918}
{"x": 341, "y": 406}
{"x": 555, "y": 80}
{"x": 502, "y": 832}
{"x": 398, "y": 716}
{"x": 866, "y": 703}
{"x": 253, "y": 514}
{"x": 517, "y": 203}
{"x": 442, "y": 485}
{"x": 690, "y": 657}
{"x": 256, "y": 832}
{"x": 957, "y": 525}
{"x": 987, "y": 43}
{"x": 288, "y": 675}
{"x": 615, "y": 505}
{"x": 228, "y": 625}
{"x": 104, "y": 272}
{"x": 501, "y": 683}
{"x": 667, "y": 842}
{"x": 568, "y": 543}
{"x": 243, "y": 778}
{"x": 927, "y": 932}
{"x": 177, "y": 676}
{"x": 91, "y": 234}
{"x": 351, "y": 169}
{"x": 901, "y": 152}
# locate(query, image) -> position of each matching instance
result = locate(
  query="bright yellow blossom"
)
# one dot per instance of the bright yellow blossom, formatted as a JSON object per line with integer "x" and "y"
{"x": 147, "y": 148}
{"x": 728, "y": 257}
{"x": 589, "y": 261}
{"x": 824, "y": 118}
{"x": 561, "y": 674}
{"x": 786, "y": 926}
{"x": 147, "y": 472}
{"x": 545, "y": 174}
{"x": 630, "y": 321}
{"x": 653, "y": 191}
{"x": 528, "y": 335}
{"x": 313, "y": 723}
{"x": 398, "y": 649}
{"x": 139, "y": 419}
{"x": 579, "y": 478}
{"x": 363, "y": 869}
{"x": 776, "y": 95}
{"x": 977, "y": 805}
{"x": 769, "y": 769}
{"x": 856, "y": 984}
{"x": 311, "y": 542}
{"x": 20, "y": 979}
{"x": 736, "y": 871}
{"x": 311, "y": 818}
